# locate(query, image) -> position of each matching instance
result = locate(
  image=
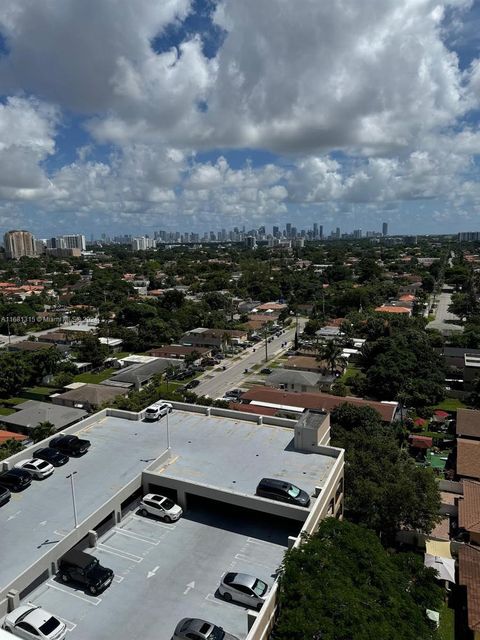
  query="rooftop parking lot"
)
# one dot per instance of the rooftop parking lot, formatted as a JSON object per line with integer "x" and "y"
{"x": 164, "y": 572}
{"x": 234, "y": 455}
{"x": 37, "y": 518}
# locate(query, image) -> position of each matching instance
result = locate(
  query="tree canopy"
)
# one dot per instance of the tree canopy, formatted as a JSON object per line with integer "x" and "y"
{"x": 384, "y": 488}
{"x": 341, "y": 584}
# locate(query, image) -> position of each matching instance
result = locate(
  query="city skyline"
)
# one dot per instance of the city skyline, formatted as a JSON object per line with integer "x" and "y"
{"x": 162, "y": 118}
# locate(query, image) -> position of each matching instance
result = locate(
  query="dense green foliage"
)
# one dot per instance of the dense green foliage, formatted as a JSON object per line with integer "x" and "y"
{"x": 341, "y": 584}
{"x": 384, "y": 488}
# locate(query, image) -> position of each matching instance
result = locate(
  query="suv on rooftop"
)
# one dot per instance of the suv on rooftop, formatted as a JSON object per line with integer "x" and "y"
{"x": 81, "y": 567}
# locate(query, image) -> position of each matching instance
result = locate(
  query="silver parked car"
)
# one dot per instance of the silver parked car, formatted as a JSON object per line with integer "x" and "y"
{"x": 197, "y": 629}
{"x": 244, "y": 589}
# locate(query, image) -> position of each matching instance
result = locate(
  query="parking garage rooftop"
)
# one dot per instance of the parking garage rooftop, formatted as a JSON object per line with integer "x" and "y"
{"x": 233, "y": 454}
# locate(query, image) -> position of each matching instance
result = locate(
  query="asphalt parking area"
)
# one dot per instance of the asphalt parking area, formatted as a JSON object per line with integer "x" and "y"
{"x": 164, "y": 572}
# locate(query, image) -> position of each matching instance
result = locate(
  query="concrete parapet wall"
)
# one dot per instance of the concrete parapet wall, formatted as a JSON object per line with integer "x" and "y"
{"x": 48, "y": 562}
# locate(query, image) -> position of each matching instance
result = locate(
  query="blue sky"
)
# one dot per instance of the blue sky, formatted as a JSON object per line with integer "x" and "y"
{"x": 205, "y": 114}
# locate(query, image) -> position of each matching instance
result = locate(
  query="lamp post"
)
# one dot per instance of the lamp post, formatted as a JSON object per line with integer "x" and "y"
{"x": 72, "y": 485}
{"x": 168, "y": 433}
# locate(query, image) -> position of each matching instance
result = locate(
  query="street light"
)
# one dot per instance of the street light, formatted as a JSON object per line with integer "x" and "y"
{"x": 168, "y": 433}
{"x": 72, "y": 485}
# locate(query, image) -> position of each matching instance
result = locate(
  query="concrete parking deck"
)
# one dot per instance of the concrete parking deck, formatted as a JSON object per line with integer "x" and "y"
{"x": 166, "y": 572}
{"x": 234, "y": 455}
{"x": 37, "y": 518}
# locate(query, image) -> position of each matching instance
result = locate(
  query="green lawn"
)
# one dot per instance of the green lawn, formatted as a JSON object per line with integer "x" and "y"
{"x": 349, "y": 372}
{"x": 450, "y": 404}
{"x": 4, "y": 411}
{"x": 94, "y": 378}
{"x": 121, "y": 354}
{"x": 446, "y": 631}
{"x": 12, "y": 401}
{"x": 42, "y": 390}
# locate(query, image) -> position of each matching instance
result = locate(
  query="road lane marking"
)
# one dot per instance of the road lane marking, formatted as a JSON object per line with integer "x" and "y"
{"x": 153, "y": 571}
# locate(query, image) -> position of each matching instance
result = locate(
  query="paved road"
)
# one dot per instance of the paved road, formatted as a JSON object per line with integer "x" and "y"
{"x": 216, "y": 382}
{"x": 443, "y": 317}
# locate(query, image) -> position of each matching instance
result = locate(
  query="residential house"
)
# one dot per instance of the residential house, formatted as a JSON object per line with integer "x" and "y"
{"x": 29, "y": 414}
{"x": 469, "y": 581}
{"x": 469, "y": 510}
{"x": 214, "y": 338}
{"x": 138, "y": 375}
{"x": 88, "y": 396}
{"x": 304, "y": 381}
{"x": 179, "y": 352}
{"x": 30, "y": 345}
{"x": 299, "y": 402}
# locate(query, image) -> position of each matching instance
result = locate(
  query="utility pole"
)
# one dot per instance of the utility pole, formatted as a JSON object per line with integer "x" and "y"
{"x": 266, "y": 343}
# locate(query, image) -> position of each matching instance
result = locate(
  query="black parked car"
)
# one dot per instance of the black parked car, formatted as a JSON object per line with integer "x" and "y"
{"x": 4, "y": 496}
{"x": 16, "y": 479}
{"x": 70, "y": 445}
{"x": 192, "y": 384}
{"x": 53, "y": 456}
{"x": 81, "y": 567}
{"x": 282, "y": 491}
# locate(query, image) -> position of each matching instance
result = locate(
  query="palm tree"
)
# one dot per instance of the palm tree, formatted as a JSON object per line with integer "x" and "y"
{"x": 331, "y": 351}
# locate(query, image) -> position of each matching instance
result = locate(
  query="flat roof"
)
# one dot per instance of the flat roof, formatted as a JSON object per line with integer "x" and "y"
{"x": 234, "y": 455}
{"x": 230, "y": 454}
{"x": 42, "y": 514}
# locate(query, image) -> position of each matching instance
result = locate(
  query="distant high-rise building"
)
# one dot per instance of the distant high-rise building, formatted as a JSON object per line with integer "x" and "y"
{"x": 357, "y": 233}
{"x": 337, "y": 232}
{"x": 315, "y": 230}
{"x": 142, "y": 243}
{"x": 288, "y": 229}
{"x": 76, "y": 241}
{"x": 19, "y": 244}
{"x": 320, "y": 232}
{"x": 250, "y": 242}
{"x": 276, "y": 232}
{"x": 385, "y": 229}
{"x": 469, "y": 236}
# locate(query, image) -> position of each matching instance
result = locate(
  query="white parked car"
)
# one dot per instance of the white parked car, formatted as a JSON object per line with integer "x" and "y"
{"x": 33, "y": 622}
{"x": 160, "y": 506}
{"x": 157, "y": 410}
{"x": 39, "y": 469}
{"x": 243, "y": 588}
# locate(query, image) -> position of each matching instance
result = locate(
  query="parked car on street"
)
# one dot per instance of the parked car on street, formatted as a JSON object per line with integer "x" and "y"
{"x": 70, "y": 445}
{"x": 31, "y": 621}
{"x": 160, "y": 506}
{"x": 197, "y": 629}
{"x": 244, "y": 589}
{"x": 16, "y": 479}
{"x": 53, "y": 456}
{"x": 192, "y": 384}
{"x": 266, "y": 371}
{"x": 85, "y": 569}
{"x": 40, "y": 469}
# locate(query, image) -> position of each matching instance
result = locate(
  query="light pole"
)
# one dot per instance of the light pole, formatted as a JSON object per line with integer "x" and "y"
{"x": 168, "y": 433}
{"x": 72, "y": 485}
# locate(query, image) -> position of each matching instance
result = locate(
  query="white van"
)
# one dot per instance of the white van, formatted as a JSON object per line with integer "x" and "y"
{"x": 157, "y": 410}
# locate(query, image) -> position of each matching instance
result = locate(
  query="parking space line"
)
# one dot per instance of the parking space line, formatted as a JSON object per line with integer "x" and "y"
{"x": 70, "y": 625}
{"x": 244, "y": 558}
{"x": 118, "y": 552}
{"x": 140, "y": 538}
{"x": 118, "y": 579}
{"x": 211, "y": 598}
{"x": 93, "y": 600}
{"x": 168, "y": 527}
